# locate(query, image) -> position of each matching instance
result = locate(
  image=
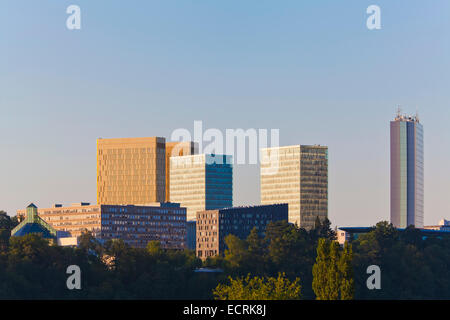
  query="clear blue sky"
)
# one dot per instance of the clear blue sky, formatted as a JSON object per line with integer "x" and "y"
{"x": 144, "y": 68}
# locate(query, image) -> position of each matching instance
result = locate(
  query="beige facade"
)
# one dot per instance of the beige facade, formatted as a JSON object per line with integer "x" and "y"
{"x": 74, "y": 219}
{"x": 177, "y": 149}
{"x": 297, "y": 175}
{"x": 136, "y": 225}
{"x": 131, "y": 170}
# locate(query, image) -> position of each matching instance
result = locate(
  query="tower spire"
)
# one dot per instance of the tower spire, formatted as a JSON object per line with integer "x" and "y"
{"x": 399, "y": 111}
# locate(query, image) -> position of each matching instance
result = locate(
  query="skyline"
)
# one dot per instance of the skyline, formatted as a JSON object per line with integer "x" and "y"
{"x": 166, "y": 65}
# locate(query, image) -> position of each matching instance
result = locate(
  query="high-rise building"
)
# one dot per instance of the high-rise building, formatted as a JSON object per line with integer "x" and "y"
{"x": 201, "y": 182}
{"x": 135, "y": 225}
{"x": 177, "y": 149}
{"x": 214, "y": 225}
{"x": 407, "y": 207}
{"x": 296, "y": 175}
{"x": 131, "y": 170}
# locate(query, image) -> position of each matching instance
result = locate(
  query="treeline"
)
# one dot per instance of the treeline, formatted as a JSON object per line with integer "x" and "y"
{"x": 287, "y": 263}
{"x": 412, "y": 266}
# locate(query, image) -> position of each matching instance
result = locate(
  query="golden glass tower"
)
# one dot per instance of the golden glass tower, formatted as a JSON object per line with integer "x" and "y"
{"x": 296, "y": 175}
{"x": 131, "y": 170}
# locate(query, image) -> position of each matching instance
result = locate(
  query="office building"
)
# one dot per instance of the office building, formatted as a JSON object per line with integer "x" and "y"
{"x": 131, "y": 171}
{"x": 407, "y": 185}
{"x": 297, "y": 175}
{"x": 214, "y": 225}
{"x": 201, "y": 182}
{"x": 177, "y": 149}
{"x": 135, "y": 225}
{"x": 443, "y": 225}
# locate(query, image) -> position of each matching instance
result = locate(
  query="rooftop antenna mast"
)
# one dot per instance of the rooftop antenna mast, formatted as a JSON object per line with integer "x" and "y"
{"x": 399, "y": 112}
{"x": 417, "y": 114}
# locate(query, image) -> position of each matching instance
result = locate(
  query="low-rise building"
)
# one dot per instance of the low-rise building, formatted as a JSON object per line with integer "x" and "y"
{"x": 443, "y": 225}
{"x": 136, "y": 225}
{"x": 352, "y": 233}
{"x": 214, "y": 225}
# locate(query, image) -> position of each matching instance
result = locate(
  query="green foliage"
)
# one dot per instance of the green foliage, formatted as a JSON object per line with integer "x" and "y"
{"x": 32, "y": 268}
{"x": 332, "y": 272}
{"x": 6, "y": 225}
{"x": 284, "y": 248}
{"x": 345, "y": 267}
{"x": 320, "y": 282}
{"x": 259, "y": 288}
{"x": 411, "y": 267}
{"x": 154, "y": 248}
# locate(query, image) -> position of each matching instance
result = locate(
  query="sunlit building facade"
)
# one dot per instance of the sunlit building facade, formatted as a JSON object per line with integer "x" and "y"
{"x": 135, "y": 225}
{"x": 177, "y": 149}
{"x": 131, "y": 171}
{"x": 407, "y": 163}
{"x": 296, "y": 175}
{"x": 201, "y": 182}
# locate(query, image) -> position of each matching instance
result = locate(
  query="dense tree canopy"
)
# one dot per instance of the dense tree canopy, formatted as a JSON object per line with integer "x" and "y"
{"x": 259, "y": 288}
{"x": 286, "y": 257}
{"x": 411, "y": 267}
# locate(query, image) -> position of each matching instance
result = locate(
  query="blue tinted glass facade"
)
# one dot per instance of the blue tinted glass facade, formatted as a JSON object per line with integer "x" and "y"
{"x": 219, "y": 182}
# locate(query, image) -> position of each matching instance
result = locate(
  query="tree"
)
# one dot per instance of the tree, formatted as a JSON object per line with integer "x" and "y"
{"x": 320, "y": 268}
{"x": 322, "y": 229}
{"x": 89, "y": 244}
{"x": 346, "y": 271}
{"x": 236, "y": 252}
{"x": 154, "y": 248}
{"x": 5, "y": 230}
{"x": 259, "y": 288}
{"x": 332, "y": 272}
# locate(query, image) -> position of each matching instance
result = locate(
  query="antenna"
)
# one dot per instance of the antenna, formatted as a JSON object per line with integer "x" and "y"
{"x": 399, "y": 112}
{"x": 417, "y": 114}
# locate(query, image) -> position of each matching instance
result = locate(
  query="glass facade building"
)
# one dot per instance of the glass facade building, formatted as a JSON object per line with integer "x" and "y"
{"x": 407, "y": 185}
{"x": 177, "y": 149}
{"x": 296, "y": 175}
{"x": 201, "y": 182}
{"x": 131, "y": 170}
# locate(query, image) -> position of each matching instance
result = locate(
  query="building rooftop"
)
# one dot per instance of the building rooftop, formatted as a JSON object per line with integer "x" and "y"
{"x": 404, "y": 117}
{"x": 34, "y": 224}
